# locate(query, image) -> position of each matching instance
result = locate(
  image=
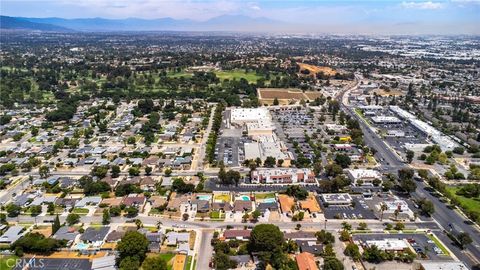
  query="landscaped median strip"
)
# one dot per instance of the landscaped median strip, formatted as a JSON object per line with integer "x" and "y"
{"x": 439, "y": 244}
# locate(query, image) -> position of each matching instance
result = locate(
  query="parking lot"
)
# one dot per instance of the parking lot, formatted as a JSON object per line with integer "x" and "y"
{"x": 423, "y": 246}
{"x": 359, "y": 211}
{"x": 227, "y": 150}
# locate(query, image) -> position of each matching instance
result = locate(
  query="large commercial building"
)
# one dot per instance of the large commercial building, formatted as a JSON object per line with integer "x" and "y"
{"x": 389, "y": 244}
{"x": 282, "y": 176}
{"x": 361, "y": 177}
{"x": 260, "y": 128}
{"x": 386, "y": 120}
{"x": 337, "y": 198}
{"x": 445, "y": 142}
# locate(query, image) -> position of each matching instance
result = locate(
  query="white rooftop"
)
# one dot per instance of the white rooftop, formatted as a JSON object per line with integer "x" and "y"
{"x": 388, "y": 244}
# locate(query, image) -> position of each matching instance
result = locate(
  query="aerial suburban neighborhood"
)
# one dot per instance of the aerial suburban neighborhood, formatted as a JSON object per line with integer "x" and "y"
{"x": 203, "y": 151}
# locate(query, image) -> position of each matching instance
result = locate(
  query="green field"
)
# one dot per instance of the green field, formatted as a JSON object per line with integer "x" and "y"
{"x": 179, "y": 74}
{"x": 469, "y": 204}
{"x": 236, "y": 74}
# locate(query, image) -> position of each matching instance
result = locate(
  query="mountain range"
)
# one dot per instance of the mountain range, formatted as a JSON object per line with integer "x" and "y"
{"x": 221, "y": 23}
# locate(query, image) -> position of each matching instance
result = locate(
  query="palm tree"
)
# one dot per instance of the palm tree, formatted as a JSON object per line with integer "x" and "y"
{"x": 159, "y": 224}
{"x": 383, "y": 207}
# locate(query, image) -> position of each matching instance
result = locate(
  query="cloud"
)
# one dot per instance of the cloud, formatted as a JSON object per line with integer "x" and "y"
{"x": 423, "y": 5}
{"x": 255, "y": 7}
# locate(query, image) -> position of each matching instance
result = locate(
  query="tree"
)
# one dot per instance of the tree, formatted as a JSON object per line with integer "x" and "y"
{"x": 36, "y": 243}
{"x": 464, "y": 239}
{"x": 346, "y": 226}
{"x": 222, "y": 174}
{"x": 232, "y": 177}
{"x": 427, "y": 208}
{"x": 332, "y": 263}
{"x": 256, "y": 214}
{"x": 297, "y": 191}
{"x": 115, "y": 171}
{"x": 410, "y": 156}
{"x": 44, "y": 171}
{"x": 115, "y": 211}
{"x": 423, "y": 173}
{"x": 131, "y": 211}
{"x": 372, "y": 254}
{"x": 405, "y": 176}
{"x": 399, "y": 226}
{"x": 351, "y": 250}
{"x": 134, "y": 171}
{"x": 383, "y": 207}
{"x": 168, "y": 172}
{"x": 154, "y": 263}
{"x": 223, "y": 261}
{"x": 408, "y": 185}
{"x": 325, "y": 237}
{"x": 35, "y": 210}
{"x": 106, "y": 217}
{"x": 13, "y": 210}
{"x": 343, "y": 160}
{"x": 148, "y": 170}
{"x": 133, "y": 244}
{"x": 73, "y": 218}
{"x": 56, "y": 224}
{"x": 130, "y": 263}
{"x": 180, "y": 186}
{"x": 275, "y": 102}
{"x": 362, "y": 226}
{"x": 265, "y": 237}
{"x": 270, "y": 162}
{"x": 100, "y": 171}
{"x": 344, "y": 235}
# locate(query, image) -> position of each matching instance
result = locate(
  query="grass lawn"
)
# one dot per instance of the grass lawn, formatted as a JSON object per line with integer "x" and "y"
{"x": 438, "y": 243}
{"x": 80, "y": 211}
{"x": 250, "y": 76}
{"x": 189, "y": 263}
{"x": 179, "y": 74}
{"x": 7, "y": 262}
{"x": 168, "y": 258}
{"x": 469, "y": 204}
{"x": 263, "y": 196}
{"x": 216, "y": 215}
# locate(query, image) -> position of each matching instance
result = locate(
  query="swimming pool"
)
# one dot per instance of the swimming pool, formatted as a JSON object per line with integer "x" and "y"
{"x": 81, "y": 246}
{"x": 269, "y": 200}
{"x": 245, "y": 198}
{"x": 204, "y": 197}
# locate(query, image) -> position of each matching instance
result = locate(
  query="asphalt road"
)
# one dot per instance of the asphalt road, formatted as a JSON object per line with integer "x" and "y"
{"x": 444, "y": 217}
{"x": 206, "y": 250}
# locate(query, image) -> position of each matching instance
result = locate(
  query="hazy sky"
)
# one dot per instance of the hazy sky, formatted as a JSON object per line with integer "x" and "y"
{"x": 442, "y": 16}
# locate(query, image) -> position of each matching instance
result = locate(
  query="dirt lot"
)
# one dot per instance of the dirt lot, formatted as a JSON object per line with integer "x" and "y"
{"x": 285, "y": 96}
{"x": 316, "y": 69}
{"x": 382, "y": 92}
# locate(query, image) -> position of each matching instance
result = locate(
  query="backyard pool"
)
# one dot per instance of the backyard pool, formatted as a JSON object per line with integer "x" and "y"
{"x": 245, "y": 198}
{"x": 81, "y": 246}
{"x": 269, "y": 200}
{"x": 204, "y": 197}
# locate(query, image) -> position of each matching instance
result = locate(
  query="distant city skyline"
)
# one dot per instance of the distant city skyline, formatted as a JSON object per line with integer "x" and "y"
{"x": 369, "y": 17}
